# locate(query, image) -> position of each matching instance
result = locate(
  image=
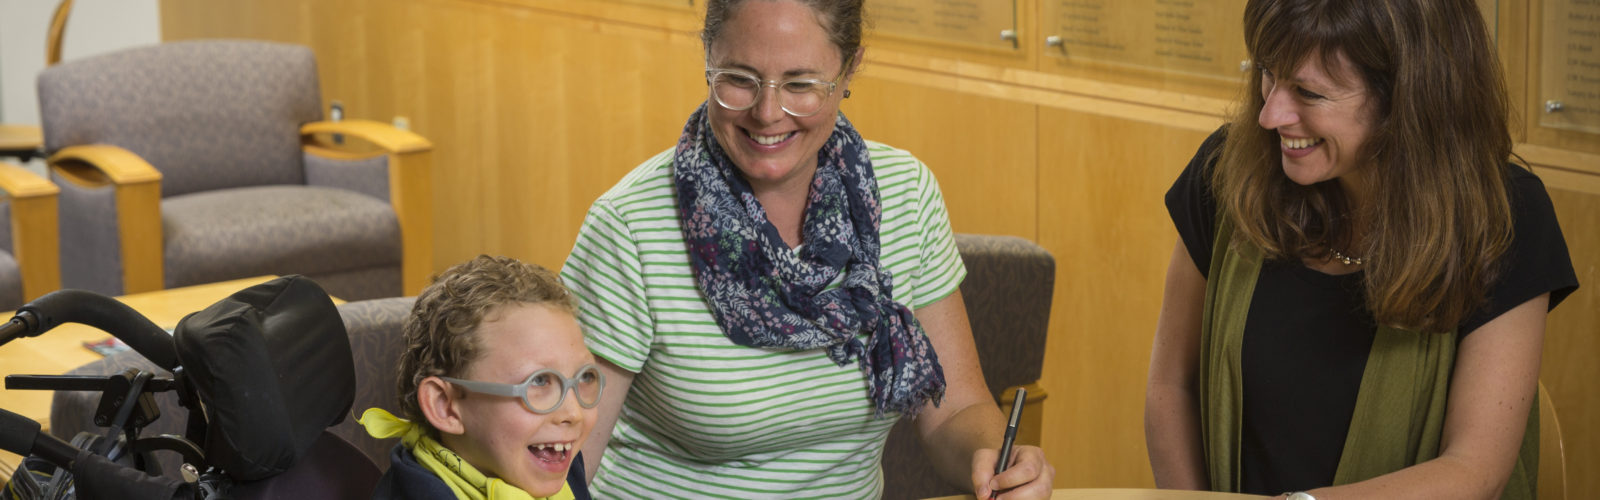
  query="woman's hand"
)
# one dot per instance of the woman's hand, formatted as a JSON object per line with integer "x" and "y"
{"x": 1027, "y": 476}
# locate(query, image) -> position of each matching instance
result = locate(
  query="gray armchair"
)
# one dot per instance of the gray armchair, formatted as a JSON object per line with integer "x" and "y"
{"x": 28, "y": 252}
{"x": 1008, "y": 290}
{"x": 193, "y": 162}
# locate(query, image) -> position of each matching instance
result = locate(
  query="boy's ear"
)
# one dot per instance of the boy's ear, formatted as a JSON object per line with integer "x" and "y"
{"x": 440, "y": 405}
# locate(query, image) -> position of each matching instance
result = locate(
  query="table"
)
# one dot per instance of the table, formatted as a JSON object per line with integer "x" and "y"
{"x": 20, "y": 141}
{"x": 1130, "y": 494}
{"x": 61, "y": 349}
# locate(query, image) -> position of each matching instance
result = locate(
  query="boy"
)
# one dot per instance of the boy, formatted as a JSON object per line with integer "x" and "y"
{"x": 493, "y": 352}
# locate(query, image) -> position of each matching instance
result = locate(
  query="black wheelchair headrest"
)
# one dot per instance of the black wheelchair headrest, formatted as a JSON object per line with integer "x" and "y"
{"x": 272, "y": 366}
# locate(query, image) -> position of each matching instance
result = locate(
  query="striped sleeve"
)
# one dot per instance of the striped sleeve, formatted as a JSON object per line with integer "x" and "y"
{"x": 604, "y": 271}
{"x": 942, "y": 268}
{"x": 915, "y": 220}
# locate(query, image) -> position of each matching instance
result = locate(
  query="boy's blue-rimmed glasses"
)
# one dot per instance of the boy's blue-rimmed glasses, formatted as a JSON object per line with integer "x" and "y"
{"x": 545, "y": 390}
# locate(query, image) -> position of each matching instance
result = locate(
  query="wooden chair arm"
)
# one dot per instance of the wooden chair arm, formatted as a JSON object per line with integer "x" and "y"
{"x": 384, "y": 136}
{"x": 137, "y": 188}
{"x": 35, "y": 241}
{"x": 97, "y": 165}
{"x": 1029, "y": 431}
{"x": 410, "y": 185}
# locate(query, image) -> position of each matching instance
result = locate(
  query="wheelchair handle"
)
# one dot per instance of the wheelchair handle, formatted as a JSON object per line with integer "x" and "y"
{"x": 96, "y": 310}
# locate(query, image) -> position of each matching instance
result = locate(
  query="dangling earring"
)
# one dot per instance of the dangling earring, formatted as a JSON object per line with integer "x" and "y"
{"x": 846, "y": 93}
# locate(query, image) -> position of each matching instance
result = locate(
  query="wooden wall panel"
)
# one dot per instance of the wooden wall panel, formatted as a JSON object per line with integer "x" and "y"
{"x": 982, "y": 149}
{"x": 1572, "y": 341}
{"x": 1101, "y": 186}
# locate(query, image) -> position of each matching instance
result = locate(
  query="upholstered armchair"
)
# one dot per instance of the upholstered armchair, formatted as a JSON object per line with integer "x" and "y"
{"x": 1008, "y": 290}
{"x": 28, "y": 249}
{"x": 200, "y": 161}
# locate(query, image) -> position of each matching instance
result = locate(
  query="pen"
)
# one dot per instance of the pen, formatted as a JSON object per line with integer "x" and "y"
{"x": 1011, "y": 436}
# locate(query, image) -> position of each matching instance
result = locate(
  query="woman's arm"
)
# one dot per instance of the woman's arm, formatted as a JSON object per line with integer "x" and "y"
{"x": 961, "y": 435}
{"x": 617, "y": 382}
{"x": 1171, "y": 400}
{"x": 1492, "y": 389}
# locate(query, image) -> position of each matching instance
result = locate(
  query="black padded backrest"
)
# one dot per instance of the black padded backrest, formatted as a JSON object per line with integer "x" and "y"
{"x": 272, "y": 365}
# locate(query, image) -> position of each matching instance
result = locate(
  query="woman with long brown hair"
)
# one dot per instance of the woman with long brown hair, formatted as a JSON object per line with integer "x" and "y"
{"x": 1357, "y": 302}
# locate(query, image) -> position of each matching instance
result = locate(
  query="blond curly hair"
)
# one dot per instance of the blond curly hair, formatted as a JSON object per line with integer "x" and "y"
{"x": 441, "y": 332}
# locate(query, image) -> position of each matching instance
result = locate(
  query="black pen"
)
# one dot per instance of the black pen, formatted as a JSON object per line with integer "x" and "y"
{"x": 1011, "y": 436}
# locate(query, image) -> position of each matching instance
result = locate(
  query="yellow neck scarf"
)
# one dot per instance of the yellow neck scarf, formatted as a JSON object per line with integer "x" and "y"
{"x": 462, "y": 478}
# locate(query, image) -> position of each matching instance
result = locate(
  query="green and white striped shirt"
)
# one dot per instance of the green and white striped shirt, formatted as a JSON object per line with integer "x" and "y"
{"x": 707, "y": 418}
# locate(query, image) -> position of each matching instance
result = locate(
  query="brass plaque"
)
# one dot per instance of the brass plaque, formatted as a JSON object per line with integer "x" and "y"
{"x": 1569, "y": 69}
{"x": 665, "y": 3}
{"x": 970, "y": 23}
{"x": 1195, "y": 37}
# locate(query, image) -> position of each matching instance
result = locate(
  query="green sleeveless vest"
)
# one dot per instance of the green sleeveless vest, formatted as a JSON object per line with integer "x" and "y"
{"x": 1400, "y": 409}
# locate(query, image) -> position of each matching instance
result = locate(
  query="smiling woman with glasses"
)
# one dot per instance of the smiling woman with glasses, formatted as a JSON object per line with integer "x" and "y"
{"x": 768, "y": 297}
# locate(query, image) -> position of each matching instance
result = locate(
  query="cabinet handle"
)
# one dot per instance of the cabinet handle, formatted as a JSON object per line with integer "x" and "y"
{"x": 1552, "y": 106}
{"x": 1008, "y": 35}
{"x": 1245, "y": 65}
{"x": 1052, "y": 41}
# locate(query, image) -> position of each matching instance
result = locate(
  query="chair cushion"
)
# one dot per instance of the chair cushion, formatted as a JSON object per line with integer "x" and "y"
{"x": 237, "y": 233}
{"x": 376, "y": 342}
{"x": 1009, "y": 287}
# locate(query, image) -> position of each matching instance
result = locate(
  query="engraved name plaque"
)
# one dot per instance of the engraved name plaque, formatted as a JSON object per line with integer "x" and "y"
{"x": 1195, "y": 37}
{"x": 980, "y": 24}
{"x": 1569, "y": 70}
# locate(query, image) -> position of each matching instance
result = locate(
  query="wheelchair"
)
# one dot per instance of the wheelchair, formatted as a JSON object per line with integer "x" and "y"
{"x": 262, "y": 373}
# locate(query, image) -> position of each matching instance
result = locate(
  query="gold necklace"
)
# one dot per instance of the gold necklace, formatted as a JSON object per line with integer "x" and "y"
{"x": 1346, "y": 259}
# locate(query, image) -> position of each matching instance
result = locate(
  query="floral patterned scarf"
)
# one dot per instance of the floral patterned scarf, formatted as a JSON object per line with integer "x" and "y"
{"x": 765, "y": 295}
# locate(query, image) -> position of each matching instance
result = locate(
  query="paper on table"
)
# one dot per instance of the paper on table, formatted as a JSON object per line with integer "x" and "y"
{"x": 110, "y": 345}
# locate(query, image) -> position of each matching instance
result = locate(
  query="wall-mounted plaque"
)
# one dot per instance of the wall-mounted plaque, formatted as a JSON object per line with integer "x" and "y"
{"x": 970, "y": 23}
{"x": 1569, "y": 69}
{"x": 1198, "y": 37}
{"x": 664, "y": 3}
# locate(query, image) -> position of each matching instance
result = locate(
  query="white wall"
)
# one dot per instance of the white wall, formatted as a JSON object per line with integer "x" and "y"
{"x": 95, "y": 27}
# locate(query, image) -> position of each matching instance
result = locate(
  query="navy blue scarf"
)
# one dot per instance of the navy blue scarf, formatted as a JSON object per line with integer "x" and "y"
{"x": 763, "y": 294}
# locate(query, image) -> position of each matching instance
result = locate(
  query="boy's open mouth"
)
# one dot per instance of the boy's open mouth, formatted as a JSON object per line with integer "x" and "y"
{"x": 557, "y": 453}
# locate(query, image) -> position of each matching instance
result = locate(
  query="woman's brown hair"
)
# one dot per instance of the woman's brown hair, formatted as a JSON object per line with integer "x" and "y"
{"x": 441, "y": 332}
{"x": 843, "y": 20}
{"x": 1437, "y": 214}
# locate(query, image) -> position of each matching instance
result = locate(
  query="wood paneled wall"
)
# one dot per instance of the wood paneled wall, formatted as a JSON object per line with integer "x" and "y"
{"x": 537, "y": 106}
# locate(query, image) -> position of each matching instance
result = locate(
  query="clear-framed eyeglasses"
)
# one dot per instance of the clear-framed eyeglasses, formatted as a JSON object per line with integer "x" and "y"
{"x": 545, "y": 390}
{"x": 738, "y": 90}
